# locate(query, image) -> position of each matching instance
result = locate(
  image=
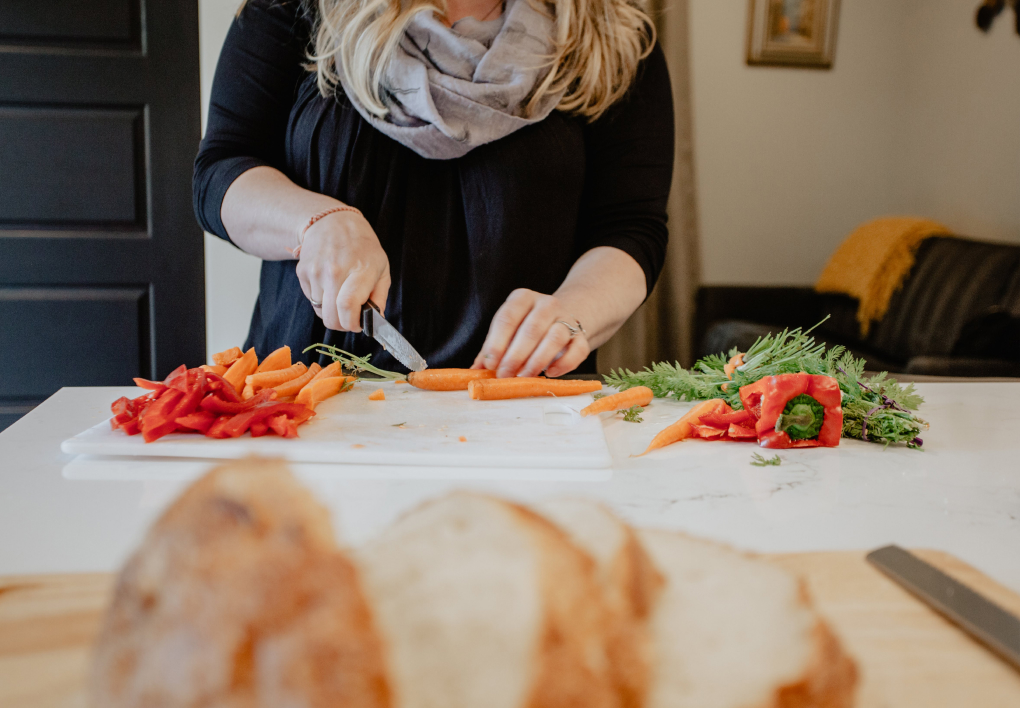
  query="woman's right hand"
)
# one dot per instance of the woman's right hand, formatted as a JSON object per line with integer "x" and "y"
{"x": 342, "y": 266}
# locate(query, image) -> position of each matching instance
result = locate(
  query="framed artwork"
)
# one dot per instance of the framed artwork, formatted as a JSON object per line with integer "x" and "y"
{"x": 792, "y": 32}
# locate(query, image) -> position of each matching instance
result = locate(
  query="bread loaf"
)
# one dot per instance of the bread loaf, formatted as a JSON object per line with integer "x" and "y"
{"x": 630, "y": 584}
{"x": 483, "y": 604}
{"x": 239, "y": 596}
{"x": 732, "y": 631}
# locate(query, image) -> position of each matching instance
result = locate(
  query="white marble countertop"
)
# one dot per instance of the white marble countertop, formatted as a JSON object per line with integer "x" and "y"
{"x": 960, "y": 495}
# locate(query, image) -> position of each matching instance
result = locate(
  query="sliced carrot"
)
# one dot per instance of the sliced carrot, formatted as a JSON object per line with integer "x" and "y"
{"x": 280, "y": 359}
{"x": 248, "y": 392}
{"x": 377, "y": 395}
{"x": 272, "y": 379}
{"x": 316, "y": 392}
{"x": 528, "y": 387}
{"x": 227, "y": 356}
{"x": 637, "y": 396}
{"x": 331, "y": 370}
{"x": 462, "y": 439}
{"x": 292, "y": 387}
{"x": 447, "y": 379}
{"x": 684, "y": 428}
{"x": 242, "y": 369}
{"x": 217, "y": 369}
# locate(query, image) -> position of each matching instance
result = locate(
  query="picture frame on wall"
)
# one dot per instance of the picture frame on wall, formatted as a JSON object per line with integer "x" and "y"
{"x": 798, "y": 33}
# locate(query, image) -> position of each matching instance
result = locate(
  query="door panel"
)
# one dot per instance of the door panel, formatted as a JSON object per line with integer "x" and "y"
{"x": 101, "y": 261}
{"x": 72, "y": 166}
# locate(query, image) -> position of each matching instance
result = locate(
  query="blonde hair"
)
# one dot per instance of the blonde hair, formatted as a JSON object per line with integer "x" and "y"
{"x": 598, "y": 45}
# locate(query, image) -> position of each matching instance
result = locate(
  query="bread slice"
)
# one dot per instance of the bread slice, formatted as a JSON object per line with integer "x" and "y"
{"x": 482, "y": 603}
{"x": 732, "y": 631}
{"x": 239, "y": 596}
{"x": 630, "y": 585}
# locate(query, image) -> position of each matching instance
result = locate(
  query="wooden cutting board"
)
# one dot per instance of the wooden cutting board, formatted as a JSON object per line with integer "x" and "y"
{"x": 908, "y": 655}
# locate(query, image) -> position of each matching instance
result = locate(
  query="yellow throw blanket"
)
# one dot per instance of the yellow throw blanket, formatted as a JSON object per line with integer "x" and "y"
{"x": 873, "y": 261}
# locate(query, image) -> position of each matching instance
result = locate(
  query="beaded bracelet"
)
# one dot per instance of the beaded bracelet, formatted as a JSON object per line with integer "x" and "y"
{"x": 296, "y": 251}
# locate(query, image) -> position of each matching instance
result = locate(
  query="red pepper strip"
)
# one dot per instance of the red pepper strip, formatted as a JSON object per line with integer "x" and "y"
{"x": 724, "y": 420}
{"x": 217, "y": 405}
{"x": 707, "y": 431}
{"x": 751, "y": 395}
{"x": 259, "y": 428}
{"x": 132, "y": 427}
{"x": 157, "y": 416}
{"x": 156, "y": 386}
{"x": 224, "y": 388}
{"x": 240, "y": 423}
{"x": 780, "y": 390}
{"x": 283, "y": 426}
{"x": 218, "y": 426}
{"x": 199, "y": 421}
{"x": 124, "y": 409}
{"x": 739, "y": 432}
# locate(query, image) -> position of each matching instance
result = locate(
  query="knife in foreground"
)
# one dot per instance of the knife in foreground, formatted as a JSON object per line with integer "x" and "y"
{"x": 984, "y": 620}
{"x": 375, "y": 325}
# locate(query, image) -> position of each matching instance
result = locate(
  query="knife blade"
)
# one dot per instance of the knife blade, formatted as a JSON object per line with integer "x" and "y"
{"x": 375, "y": 325}
{"x": 991, "y": 625}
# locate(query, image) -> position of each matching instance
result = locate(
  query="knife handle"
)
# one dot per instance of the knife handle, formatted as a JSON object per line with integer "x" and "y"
{"x": 366, "y": 320}
{"x": 367, "y": 326}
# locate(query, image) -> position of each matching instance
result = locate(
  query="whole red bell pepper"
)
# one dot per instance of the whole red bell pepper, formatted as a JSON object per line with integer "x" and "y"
{"x": 795, "y": 410}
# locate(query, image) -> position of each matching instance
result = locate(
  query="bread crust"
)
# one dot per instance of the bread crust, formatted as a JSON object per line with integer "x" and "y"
{"x": 573, "y": 666}
{"x": 830, "y": 680}
{"x": 239, "y": 596}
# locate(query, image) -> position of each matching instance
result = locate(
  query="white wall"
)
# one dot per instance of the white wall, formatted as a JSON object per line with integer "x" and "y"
{"x": 920, "y": 114}
{"x": 231, "y": 277}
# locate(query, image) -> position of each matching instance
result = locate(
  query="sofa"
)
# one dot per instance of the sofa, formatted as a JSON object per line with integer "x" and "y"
{"x": 956, "y": 314}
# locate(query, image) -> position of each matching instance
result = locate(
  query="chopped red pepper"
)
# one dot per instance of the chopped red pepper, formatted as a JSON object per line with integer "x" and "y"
{"x": 767, "y": 401}
{"x": 724, "y": 420}
{"x": 199, "y": 421}
{"x": 217, "y": 405}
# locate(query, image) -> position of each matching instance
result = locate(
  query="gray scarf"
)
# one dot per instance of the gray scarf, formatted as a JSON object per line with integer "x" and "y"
{"x": 451, "y": 89}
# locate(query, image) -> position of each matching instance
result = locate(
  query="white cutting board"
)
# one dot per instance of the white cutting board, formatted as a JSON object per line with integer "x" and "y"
{"x": 528, "y": 433}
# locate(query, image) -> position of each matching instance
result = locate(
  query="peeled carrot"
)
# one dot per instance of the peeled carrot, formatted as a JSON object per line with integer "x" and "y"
{"x": 684, "y": 428}
{"x": 227, "y": 356}
{"x": 447, "y": 379}
{"x": 248, "y": 392}
{"x": 377, "y": 395}
{"x": 637, "y": 396}
{"x": 280, "y": 359}
{"x": 331, "y": 370}
{"x": 528, "y": 387}
{"x": 242, "y": 369}
{"x": 316, "y": 392}
{"x": 217, "y": 369}
{"x": 292, "y": 387}
{"x": 272, "y": 379}
{"x": 731, "y": 366}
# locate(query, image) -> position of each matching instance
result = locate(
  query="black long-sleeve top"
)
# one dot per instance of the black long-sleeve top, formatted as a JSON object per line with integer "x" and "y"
{"x": 460, "y": 234}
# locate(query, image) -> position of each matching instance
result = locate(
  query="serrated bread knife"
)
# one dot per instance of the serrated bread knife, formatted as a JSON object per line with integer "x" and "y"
{"x": 982, "y": 619}
{"x": 375, "y": 325}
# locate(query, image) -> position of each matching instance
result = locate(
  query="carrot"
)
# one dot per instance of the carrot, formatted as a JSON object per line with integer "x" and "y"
{"x": 637, "y": 396}
{"x": 292, "y": 387}
{"x": 331, "y": 370}
{"x": 528, "y": 387}
{"x": 227, "y": 356}
{"x": 280, "y": 359}
{"x": 731, "y": 366}
{"x": 316, "y": 392}
{"x": 242, "y": 369}
{"x": 217, "y": 369}
{"x": 447, "y": 379}
{"x": 248, "y": 392}
{"x": 462, "y": 439}
{"x": 377, "y": 395}
{"x": 684, "y": 428}
{"x": 272, "y": 379}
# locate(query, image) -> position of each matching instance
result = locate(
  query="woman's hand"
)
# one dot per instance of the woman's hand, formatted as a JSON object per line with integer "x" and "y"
{"x": 527, "y": 337}
{"x": 342, "y": 266}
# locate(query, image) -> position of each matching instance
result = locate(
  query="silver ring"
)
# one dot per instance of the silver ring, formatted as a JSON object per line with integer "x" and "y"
{"x": 314, "y": 303}
{"x": 575, "y": 329}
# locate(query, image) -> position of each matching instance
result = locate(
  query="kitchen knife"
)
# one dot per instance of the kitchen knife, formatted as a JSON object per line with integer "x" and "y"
{"x": 375, "y": 325}
{"x": 982, "y": 619}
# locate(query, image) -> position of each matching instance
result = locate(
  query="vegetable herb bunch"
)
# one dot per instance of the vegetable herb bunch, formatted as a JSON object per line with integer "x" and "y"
{"x": 875, "y": 408}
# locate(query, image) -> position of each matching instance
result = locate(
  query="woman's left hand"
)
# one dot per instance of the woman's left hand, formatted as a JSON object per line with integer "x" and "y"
{"x": 527, "y": 336}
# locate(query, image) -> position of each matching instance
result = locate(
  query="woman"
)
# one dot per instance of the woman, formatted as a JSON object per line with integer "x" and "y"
{"x": 493, "y": 174}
